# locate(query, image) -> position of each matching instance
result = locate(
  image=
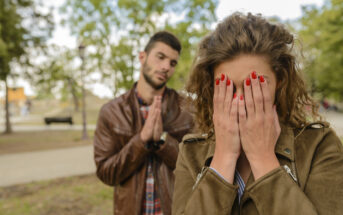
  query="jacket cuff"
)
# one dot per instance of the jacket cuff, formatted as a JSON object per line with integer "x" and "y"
{"x": 217, "y": 194}
{"x": 267, "y": 178}
{"x": 165, "y": 146}
{"x": 276, "y": 191}
{"x": 169, "y": 148}
{"x": 168, "y": 151}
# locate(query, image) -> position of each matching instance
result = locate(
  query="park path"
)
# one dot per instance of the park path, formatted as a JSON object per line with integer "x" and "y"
{"x": 43, "y": 165}
{"x": 54, "y": 127}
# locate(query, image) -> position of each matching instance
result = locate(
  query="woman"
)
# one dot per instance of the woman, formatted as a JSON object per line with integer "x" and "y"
{"x": 258, "y": 153}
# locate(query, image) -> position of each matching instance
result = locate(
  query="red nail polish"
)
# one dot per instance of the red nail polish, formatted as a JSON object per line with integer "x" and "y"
{"x": 234, "y": 95}
{"x": 223, "y": 77}
{"x": 261, "y": 79}
{"x": 241, "y": 97}
{"x": 228, "y": 82}
{"x": 217, "y": 81}
{"x": 253, "y": 75}
{"x": 248, "y": 81}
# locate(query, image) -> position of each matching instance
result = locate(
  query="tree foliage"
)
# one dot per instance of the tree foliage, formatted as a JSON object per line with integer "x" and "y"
{"x": 116, "y": 30}
{"x": 322, "y": 33}
{"x": 58, "y": 74}
{"x": 23, "y": 27}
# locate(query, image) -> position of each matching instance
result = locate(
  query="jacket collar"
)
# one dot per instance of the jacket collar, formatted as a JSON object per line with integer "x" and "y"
{"x": 284, "y": 145}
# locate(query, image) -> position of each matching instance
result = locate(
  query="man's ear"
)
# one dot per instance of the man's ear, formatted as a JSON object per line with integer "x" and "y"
{"x": 142, "y": 57}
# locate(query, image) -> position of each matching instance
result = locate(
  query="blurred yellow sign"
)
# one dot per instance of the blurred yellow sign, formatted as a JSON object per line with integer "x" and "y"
{"x": 16, "y": 94}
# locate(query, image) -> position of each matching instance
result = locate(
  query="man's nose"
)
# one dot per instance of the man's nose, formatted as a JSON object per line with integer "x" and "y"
{"x": 165, "y": 65}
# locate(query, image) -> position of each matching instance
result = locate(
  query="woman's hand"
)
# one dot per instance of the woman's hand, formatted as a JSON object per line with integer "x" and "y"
{"x": 258, "y": 126}
{"x": 225, "y": 119}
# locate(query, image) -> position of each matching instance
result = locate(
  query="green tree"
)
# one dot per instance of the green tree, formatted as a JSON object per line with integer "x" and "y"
{"x": 321, "y": 31}
{"x": 22, "y": 27}
{"x": 116, "y": 30}
{"x": 58, "y": 74}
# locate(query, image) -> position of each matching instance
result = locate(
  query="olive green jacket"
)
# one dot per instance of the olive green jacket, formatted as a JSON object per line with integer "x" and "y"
{"x": 309, "y": 180}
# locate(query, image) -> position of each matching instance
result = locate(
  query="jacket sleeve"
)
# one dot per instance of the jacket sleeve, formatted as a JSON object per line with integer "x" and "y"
{"x": 169, "y": 151}
{"x": 116, "y": 162}
{"x": 323, "y": 192}
{"x": 208, "y": 194}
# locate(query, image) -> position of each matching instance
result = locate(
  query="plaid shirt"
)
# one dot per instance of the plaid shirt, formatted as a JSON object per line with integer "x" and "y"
{"x": 151, "y": 202}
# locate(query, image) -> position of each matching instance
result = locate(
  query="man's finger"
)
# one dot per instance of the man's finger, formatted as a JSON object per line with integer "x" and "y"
{"x": 158, "y": 102}
{"x": 152, "y": 106}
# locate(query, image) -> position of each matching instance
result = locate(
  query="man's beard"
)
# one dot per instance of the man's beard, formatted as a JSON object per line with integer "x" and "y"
{"x": 149, "y": 80}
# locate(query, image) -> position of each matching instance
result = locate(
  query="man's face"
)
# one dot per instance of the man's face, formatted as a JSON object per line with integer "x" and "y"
{"x": 159, "y": 64}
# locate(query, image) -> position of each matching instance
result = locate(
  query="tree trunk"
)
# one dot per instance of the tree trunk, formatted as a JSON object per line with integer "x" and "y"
{"x": 115, "y": 90}
{"x": 8, "y": 129}
{"x": 84, "y": 119}
{"x": 73, "y": 92}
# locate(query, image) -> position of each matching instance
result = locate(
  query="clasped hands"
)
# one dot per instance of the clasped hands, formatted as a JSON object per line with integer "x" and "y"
{"x": 153, "y": 126}
{"x": 246, "y": 123}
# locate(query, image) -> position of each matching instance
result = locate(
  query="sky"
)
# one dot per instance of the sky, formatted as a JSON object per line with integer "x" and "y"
{"x": 290, "y": 9}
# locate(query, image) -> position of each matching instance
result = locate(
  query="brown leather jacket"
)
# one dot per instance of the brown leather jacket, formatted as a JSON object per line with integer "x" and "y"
{"x": 121, "y": 156}
{"x": 309, "y": 181}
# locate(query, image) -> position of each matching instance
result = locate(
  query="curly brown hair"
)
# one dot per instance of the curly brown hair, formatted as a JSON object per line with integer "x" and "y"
{"x": 250, "y": 34}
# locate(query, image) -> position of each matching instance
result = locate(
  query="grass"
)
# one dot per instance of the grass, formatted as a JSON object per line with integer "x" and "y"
{"x": 41, "y": 140}
{"x": 81, "y": 195}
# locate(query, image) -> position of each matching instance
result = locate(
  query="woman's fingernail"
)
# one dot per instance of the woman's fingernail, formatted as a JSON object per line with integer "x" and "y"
{"x": 253, "y": 75}
{"x": 222, "y": 77}
{"x": 261, "y": 79}
{"x": 217, "y": 81}
{"x": 234, "y": 95}
{"x": 248, "y": 81}
{"x": 228, "y": 82}
{"x": 241, "y": 97}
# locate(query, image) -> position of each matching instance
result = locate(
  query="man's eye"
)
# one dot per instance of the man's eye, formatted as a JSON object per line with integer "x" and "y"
{"x": 160, "y": 57}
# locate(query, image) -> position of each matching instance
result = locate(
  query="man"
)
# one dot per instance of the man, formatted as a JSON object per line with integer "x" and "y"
{"x": 137, "y": 135}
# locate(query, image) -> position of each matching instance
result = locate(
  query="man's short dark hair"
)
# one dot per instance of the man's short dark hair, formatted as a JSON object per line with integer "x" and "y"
{"x": 164, "y": 37}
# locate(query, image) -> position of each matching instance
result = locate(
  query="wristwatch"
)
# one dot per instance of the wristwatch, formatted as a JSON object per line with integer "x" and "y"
{"x": 157, "y": 144}
{"x": 164, "y": 136}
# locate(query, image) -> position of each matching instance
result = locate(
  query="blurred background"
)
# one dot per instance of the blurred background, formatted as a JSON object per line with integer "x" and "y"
{"x": 61, "y": 60}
